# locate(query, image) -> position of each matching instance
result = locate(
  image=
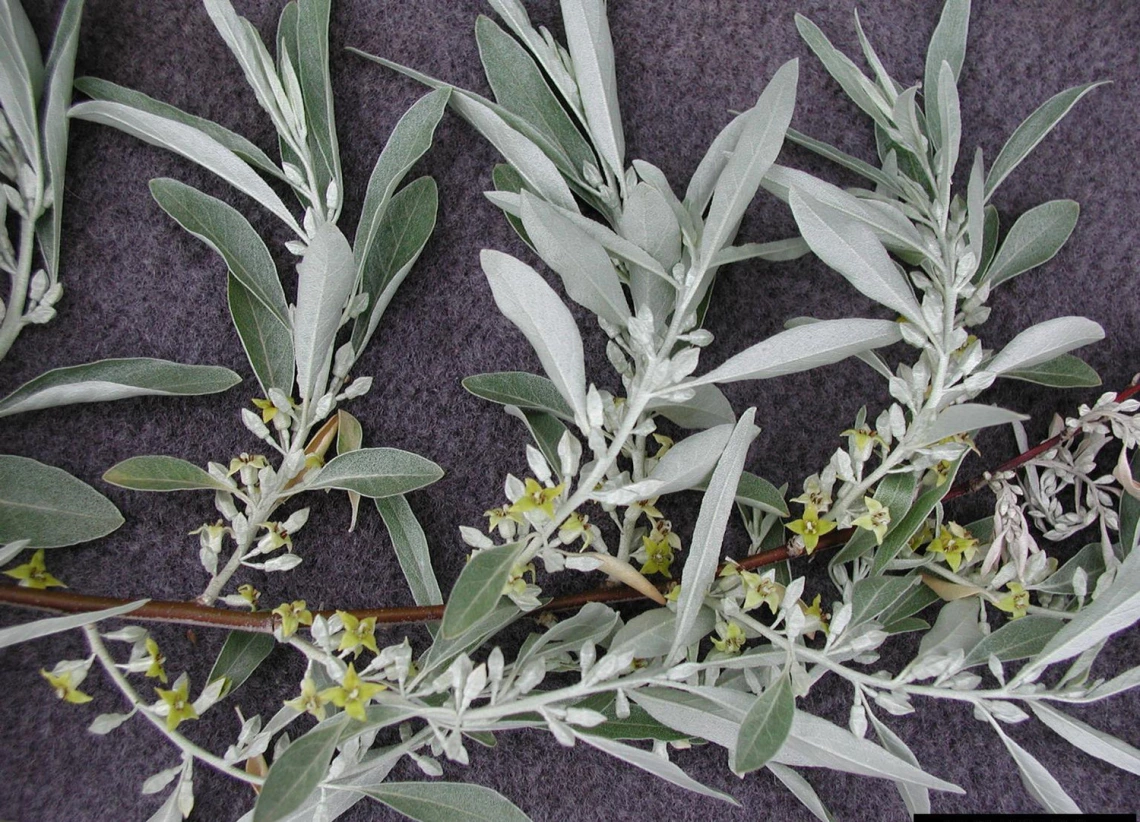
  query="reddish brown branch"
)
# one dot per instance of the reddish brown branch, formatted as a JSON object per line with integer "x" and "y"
{"x": 191, "y": 613}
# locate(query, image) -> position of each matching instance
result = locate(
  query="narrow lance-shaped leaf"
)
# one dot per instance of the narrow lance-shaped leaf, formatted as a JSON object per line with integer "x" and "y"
{"x": 192, "y": 144}
{"x": 1035, "y": 239}
{"x": 316, "y": 88}
{"x": 1044, "y": 342}
{"x": 55, "y": 625}
{"x": 478, "y": 589}
{"x": 520, "y": 389}
{"x": 1065, "y": 371}
{"x": 1032, "y": 131}
{"x": 116, "y": 379}
{"x": 766, "y": 726}
{"x": 268, "y": 342}
{"x": 966, "y": 417}
{"x": 411, "y": 548}
{"x": 161, "y": 473}
{"x": 49, "y": 507}
{"x": 224, "y": 229}
{"x": 1093, "y": 742}
{"x": 444, "y": 801}
{"x": 756, "y": 149}
{"x": 1017, "y": 639}
{"x": 853, "y": 250}
{"x": 527, "y": 301}
{"x": 703, "y": 182}
{"x": 950, "y": 121}
{"x": 802, "y": 348}
{"x": 830, "y": 152}
{"x": 853, "y": 82}
{"x": 908, "y": 526}
{"x": 802, "y": 790}
{"x": 588, "y": 275}
{"x": 915, "y": 797}
{"x": 377, "y": 472}
{"x": 1038, "y": 782}
{"x": 716, "y": 507}
{"x": 947, "y": 45}
{"x": 349, "y": 437}
{"x": 324, "y": 283}
{"x": 57, "y": 97}
{"x": 21, "y": 70}
{"x": 592, "y": 54}
{"x": 240, "y": 656}
{"x": 297, "y": 772}
{"x": 685, "y": 465}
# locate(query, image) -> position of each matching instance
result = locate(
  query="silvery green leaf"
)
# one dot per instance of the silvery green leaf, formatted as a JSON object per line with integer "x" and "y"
{"x": 316, "y": 86}
{"x": 886, "y": 83}
{"x": 520, "y": 87}
{"x": 853, "y": 250}
{"x": 409, "y": 140}
{"x": 990, "y": 230}
{"x": 637, "y": 725}
{"x": 545, "y": 429}
{"x": 527, "y": 301}
{"x": 648, "y": 220}
{"x": 1118, "y": 684}
{"x": 377, "y": 472}
{"x": 411, "y": 549}
{"x": 1129, "y": 511}
{"x": 766, "y": 726}
{"x": 703, "y": 181}
{"x": 802, "y": 790}
{"x": 757, "y": 492}
{"x": 651, "y": 634}
{"x": 815, "y": 742}
{"x": 853, "y": 82}
{"x": 1017, "y": 639}
{"x": 21, "y": 71}
{"x": 890, "y": 225}
{"x": 117, "y": 379}
{"x": 478, "y": 589}
{"x": 651, "y": 763}
{"x": 916, "y": 798}
{"x": 655, "y": 178}
{"x": 1035, "y": 239}
{"x": 1044, "y": 342}
{"x": 869, "y": 357}
{"x": 1065, "y": 371}
{"x": 594, "y": 623}
{"x": 105, "y": 723}
{"x": 707, "y": 407}
{"x": 509, "y": 183}
{"x": 349, "y": 437}
{"x": 685, "y": 465}
{"x": 12, "y": 550}
{"x": 1088, "y": 739}
{"x": 708, "y": 534}
{"x": 520, "y": 389}
{"x": 297, "y": 772}
{"x": 1113, "y": 611}
{"x": 1032, "y": 131}
{"x": 161, "y": 473}
{"x": 592, "y": 53}
{"x": 46, "y": 627}
{"x": 947, "y": 45}
{"x": 588, "y": 275}
{"x": 443, "y": 801}
{"x": 777, "y": 251}
{"x": 325, "y": 278}
{"x": 1038, "y": 782}
{"x": 444, "y": 650}
{"x": 529, "y": 151}
{"x": 403, "y": 231}
{"x": 872, "y": 596}
{"x": 160, "y": 780}
{"x": 49, "y": 507}
{"x": 838, "y": 157}
{"x": 245, "y": 44}
{"x": 240, "y": 656}
{"x": 955, "y": 629}
{"x": 802, "y": 348}
{"x": 192, "y": 144}
{"x": 54, "y": 128}
{"x": 958, "y": 419}
{"x": 226, "y": 231}
{"x": 21, "y": 37}
{"x": 756, "y": 149}
{"x": 701, "y": 716}
{"x": 915, "y": 517}
{"x": 105, "y": 90}
{"x": 268, "y": 342}
{"x": 975, "y": 209}
{"x": 950, "y": 122}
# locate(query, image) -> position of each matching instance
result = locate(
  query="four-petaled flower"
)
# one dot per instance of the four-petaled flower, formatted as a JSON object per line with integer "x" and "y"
{"x": 179, "y": 706}
{"x": 257, "y": 462}
{"x": 250, "y": 594}
{"x": 155, "y": 670}
{"x": 647, "y": 507}
{"x": 759, "y": 589}
{"x": 864, "y": 439}
{"x": 268, "y": 409}
{"x": 814, "y": 613}
{"x": 938, "y": 473}
{"x": 358, "y": 633}
{"x": 64, "y": 688}
{"x": 1016, "y": 602}
{"x": 516, "y": 580}
{"x": 877, "y": 518}
{"x": 810, "y": 527}
{"x": 955, "y": 543}
{"x": 658, "y": 556}
{"x": 537, "y": 498}
{"x": 275, "y": 536}
{"x": 732, "y": 637}
{"x": 310, "y": 701}
{"x": 815, "y": 494}
{"x": 575, "y": 526}
{"x": 352, "y": 694}
{"x": 293, "y": 615}
{"x": 504, "y": 520}
{"x": 33, "y": 574}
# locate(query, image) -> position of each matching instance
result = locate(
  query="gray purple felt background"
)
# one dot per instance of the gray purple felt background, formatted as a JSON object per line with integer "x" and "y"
{"x": 137, "y": 285}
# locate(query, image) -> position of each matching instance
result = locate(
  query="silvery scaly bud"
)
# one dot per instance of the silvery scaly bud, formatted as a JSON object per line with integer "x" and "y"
{"x": 256, "y": 427}
{"x": 294, "y": 176}
{"x": 358, "y": 388}
{"x": 332, "y": 196}
{"x": 591, "y": 175}
{"x": 38, "y": 286}
{"x": 324, "y": 406}
{"x": 343, "y": 360}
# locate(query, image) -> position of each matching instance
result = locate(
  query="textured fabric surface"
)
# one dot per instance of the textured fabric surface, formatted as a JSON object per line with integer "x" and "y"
{"x": 137, "y": 285}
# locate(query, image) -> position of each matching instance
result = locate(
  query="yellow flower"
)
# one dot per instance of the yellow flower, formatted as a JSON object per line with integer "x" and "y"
{"x": 665, "y": 442}
{"x": 659, "y": 556}
{"x": 310, "y": 701}
{"x": 179, "y": 704}
{"x": 250, "y": 594}
{"x": 938, "y": 474}
{"x": 955, "y": 543}
{"x": 292, "y": 616}
{"x": 537, "y": 498}
{"x": 877, "y": 518}
{"x": 268, "y": 409}
{"x": 256, "y": 461}
{"x": 815, "y": 610}
{"x": 64, "y": 688}
{"x": 647, "y": 507}
{"x": 814, "y": 494}
{"x": 275, "y": 537}
{"x": 516, "y": 580}
{"x": 498, "y": 516}
{"x": 865, "y": 439}
{"x": 811, "y": 527}
{"x": 575, "y": 526}
{"x": 33, "y": 574}
{"x": 1016, "y": 602}
{"x": 155, "y": 670}
{"x": 353, "y": 694}
{"x": 358, "y": 633}
{"x": 673, "y": 593}
{"x": 732, "y": 637}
